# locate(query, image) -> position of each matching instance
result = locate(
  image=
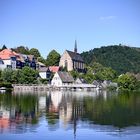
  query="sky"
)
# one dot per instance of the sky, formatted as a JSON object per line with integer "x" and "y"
{"x": 56, "y": 24}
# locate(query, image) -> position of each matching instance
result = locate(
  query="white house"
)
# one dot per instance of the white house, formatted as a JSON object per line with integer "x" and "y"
{"x": 9, "y": 58}
{"x": 62, "y": 78}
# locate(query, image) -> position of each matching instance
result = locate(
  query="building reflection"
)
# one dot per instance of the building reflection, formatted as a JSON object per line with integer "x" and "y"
{"x": 66, "y": 110}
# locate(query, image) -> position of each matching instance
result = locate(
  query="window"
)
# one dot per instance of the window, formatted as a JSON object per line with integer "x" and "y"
{"x": 66, "y": 63}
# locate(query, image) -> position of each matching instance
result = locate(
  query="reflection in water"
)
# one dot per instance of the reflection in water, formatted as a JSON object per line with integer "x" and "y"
{"x": 117, "y": 114}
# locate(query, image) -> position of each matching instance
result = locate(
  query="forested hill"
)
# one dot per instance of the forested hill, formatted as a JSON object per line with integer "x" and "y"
{"x": 120, "y": 58}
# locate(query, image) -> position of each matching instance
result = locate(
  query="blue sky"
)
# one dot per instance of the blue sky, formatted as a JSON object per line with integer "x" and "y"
{"x": 55, "y": 24}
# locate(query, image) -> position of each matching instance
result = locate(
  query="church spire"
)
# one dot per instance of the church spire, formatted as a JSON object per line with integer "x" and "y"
{"x": 75, "y": 47}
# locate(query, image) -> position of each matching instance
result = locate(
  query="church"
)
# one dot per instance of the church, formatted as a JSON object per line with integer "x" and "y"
{"x": 72, "y": 60}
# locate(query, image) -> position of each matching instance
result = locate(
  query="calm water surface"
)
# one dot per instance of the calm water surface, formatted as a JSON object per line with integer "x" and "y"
{"x": 70, "y": 116}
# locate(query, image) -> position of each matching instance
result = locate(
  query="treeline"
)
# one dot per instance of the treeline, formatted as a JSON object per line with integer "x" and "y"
{"x": 120, "y": 58}
{"x": 26, "y": 75}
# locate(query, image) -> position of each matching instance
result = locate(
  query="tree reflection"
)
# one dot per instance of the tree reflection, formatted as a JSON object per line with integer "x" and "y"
{"x": 120, "y": 111}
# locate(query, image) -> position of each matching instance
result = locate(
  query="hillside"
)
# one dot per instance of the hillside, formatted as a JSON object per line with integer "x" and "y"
{"x": 120, "y": 58}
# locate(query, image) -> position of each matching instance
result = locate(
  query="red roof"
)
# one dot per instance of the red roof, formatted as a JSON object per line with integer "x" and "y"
{"x": 54, "y": 68}
{"x": 7, "y": 54}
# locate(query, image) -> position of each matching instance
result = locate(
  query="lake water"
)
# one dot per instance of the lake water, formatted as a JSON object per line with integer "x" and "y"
{"x": 70, "y": 116}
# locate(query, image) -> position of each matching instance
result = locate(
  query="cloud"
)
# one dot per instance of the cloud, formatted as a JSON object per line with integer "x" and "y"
{"x": 107, "y": 17}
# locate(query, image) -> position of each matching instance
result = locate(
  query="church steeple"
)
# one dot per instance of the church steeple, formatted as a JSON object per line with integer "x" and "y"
{"x": 75, "y": 47}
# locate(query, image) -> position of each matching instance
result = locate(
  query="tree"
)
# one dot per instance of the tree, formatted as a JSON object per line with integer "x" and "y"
{"x": 41, "y": 59}
{"x": 22, "y": 50}
{"x": 74, "y": 74}
{"x": 127, "y": 82}
{"x": 35, "y": 52}
{"x": 119, "y": 57}
{"x": 28, "y": 76}
{"x": 53, "y": 58}
{"x": 4, "y": 47}
{"x": 6, "y": 75}
{"x": 101, "y": 73}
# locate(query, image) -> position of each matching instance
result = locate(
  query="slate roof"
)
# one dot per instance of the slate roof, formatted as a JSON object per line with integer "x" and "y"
{"x": 65, "y": 77}
{"x": 75, "y": 56}
{"x": 43, "y": 69}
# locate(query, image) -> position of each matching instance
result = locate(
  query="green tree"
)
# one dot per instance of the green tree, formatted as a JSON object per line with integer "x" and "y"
{"x": 119, "y": 57}
{"x": 4, "y": 47}
{"x": 53, "y": 58}
{"x": 41, "y": 59}
{"x": 6, "y": 75}
{"x": 28, "y": 76}
{"x": 35, "y": 52}
{"x": 127, "y": 82}
{"x": 74, "y": 74}
{"x": 22, "y": 50}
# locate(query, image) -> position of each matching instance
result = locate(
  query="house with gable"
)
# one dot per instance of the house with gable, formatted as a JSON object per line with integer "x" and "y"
{"x": 9, "y": 58}
{"x": 62, "y": 78}
{"x": 72, "y": 60}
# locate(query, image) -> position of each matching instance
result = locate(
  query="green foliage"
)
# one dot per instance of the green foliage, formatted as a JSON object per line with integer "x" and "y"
{"x": 120, "y": 58}
{"x": 89, "y": 77}
{"x": 41, "y": 59}
{"x": 28, "y": 76}
{"x": 98, "y": 72}
{"x": 6, "y": 75}
{"x": 53, "y": 58}
{"x": 43, "y": 81}
{"x": 74, "y": 74}
{"x": 4, "y": 47}
{"x": 127, "y": 82}
{"x": 22, "y": 50}
{"x": 35, "y": 52}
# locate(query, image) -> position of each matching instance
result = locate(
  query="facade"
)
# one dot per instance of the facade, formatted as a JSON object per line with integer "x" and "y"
{"x": 45, "y": 73}
{"x": 72, "y": 61}
{"x": 9, "y": 58}
{"x": 62, "y": 78}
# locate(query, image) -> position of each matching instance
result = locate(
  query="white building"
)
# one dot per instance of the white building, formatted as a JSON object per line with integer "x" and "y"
{"x": 9, "y": 58}
{"x": 62, "y": 78}
{"x": 44, "y": 73}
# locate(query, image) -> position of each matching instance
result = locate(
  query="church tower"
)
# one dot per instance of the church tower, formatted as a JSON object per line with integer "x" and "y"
{"x": 75, "y": 47}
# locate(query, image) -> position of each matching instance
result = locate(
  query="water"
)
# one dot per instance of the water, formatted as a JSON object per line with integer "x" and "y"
{"x": 70, "y": 116}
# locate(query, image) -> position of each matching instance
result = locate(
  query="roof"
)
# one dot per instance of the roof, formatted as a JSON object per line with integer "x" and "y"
{"x": 41, "y": 64}
{"x": 7, "y": 54}
{"x": 43, "y": 69}
{"x": 65, "y": 77}
{"x": 54, "y": 68}
{"x": 75, "y": 56}
{"x": 80, "y": 81}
